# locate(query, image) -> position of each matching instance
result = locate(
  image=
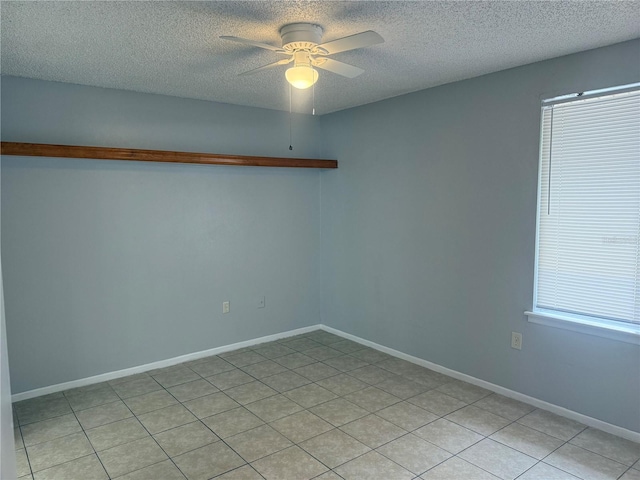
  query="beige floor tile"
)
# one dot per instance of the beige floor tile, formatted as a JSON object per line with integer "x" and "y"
{"x": 552, "y": 424}
{"x": 274, "y": 351}
{"x": 130, "y": 457}
{"x": 85, "y": 468}
{"x": 323, "y": 352}
{"x": 457, "y": 469}
{"x": 301, "y": 344}
{"x": 448, "y": 435}
{"x": 60, "y": 450}
{"x": 192, "y": 390}
{"x": 210, "y": 405}
{"x": 370, "y": 355}
{"x": 372, "y": 374}
{"x": 22, "y": 463}
{"x": 250, "y": 392}
{"x": 49, "y": 429}
{"x": 463, "y": 391}
{"x": 285, "y": 381}
{"x": 96, "y": 416}
{"x": 176, "y": 377}
{"x": 273, "y": 408}
{"x": 407, "y": 416}
{"x": 334, "y": 448}
{"x": 185, "y": 438}
{"x": 498, "y": 459}
{"x": 372, "y": 465}
{"x": 348, "y": 346}
{"x": 339, "y": 412}
{"x": 257, "y": 443}
{"x": 150, "y": 402}
{"x": 232, "y": 422}
{"x": 414, "y": 454}
{"x": 342, "y": 384}
{"x": 526, "y": 440}
{"x": 17, "y": 438}
{"x": 428, "y": 378}
{"x": 42, "y": 408}
{"x": 503, "y": 406}
{"x": 437, "y": 402}
{"x": 166, "y": 418}
{"x": 585, "y": 464}
{"x": 345, "y": 363}
{"x": 92, "y": 398}
{"x": 294, "y": 360}
{"x": 372, "y": 399}
{"x": 116, "y": 433}
{"x": 230, "y": 379}
{"x": 330, "y": 475}
{"x": 310, "y": 395}
{"x": 243, "y": 473}
{"x": 264, "y": 369}
{"x": 140, "y": 386}
{"x": 317, "y": 371}
{"x": 289, "y": 464}
{"x": 160, "y": 471}
{"x": 399, "y": 366}
{"x": 373, "y": 431}
{"x": 607, "y": 445}
{"x": 325, "y": 338}
{"x": 631, "y": 474}
{"x": 301, "y": 426}
{"x": 401, "y": 387}
{"x": 211, "y": 367}
{"x": 478, "y": 420}
{"x": 208, "y": 461}
{"x": 245, "y": 358}
{"x": 542, "y": 471}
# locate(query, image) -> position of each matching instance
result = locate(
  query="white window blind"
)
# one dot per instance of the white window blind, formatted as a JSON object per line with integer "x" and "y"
{"x": 588, "y": 258}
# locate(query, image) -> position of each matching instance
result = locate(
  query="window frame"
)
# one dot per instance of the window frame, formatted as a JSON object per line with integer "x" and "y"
{"x": 615, "y": 330}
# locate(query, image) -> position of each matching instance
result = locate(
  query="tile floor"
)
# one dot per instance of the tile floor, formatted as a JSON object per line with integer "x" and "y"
{"x": 310, "y": 406}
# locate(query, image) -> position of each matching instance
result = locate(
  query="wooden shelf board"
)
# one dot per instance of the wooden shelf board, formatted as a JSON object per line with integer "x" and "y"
{"x": 137, "y": 155}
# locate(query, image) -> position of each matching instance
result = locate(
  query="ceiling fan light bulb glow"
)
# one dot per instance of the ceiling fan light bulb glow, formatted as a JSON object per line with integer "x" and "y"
{"x": 301, "y": 76}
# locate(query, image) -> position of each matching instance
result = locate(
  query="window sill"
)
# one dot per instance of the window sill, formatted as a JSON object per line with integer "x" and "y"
{"x": 615, "y": 331}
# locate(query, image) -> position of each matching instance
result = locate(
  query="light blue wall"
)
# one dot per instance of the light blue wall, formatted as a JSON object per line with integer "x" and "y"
{"x": 109, "y": 265}
{"x": 428, "y": 233}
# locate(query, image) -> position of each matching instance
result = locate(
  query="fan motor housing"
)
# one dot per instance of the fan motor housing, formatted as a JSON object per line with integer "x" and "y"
{"x": 300, "y": 36}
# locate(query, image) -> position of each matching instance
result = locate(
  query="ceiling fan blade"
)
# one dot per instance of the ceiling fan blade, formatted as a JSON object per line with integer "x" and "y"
{"x": 351, "y": 42}
{"x": 340, "y": 68}
{"x": 267, "y": 67}
{"x": 254, "y": 44}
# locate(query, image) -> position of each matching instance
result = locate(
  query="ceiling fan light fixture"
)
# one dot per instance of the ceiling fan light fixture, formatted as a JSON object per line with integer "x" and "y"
{"x": 301, "y": 76}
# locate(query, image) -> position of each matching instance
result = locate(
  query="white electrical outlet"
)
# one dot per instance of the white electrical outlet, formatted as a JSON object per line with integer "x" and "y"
{"x": 226, "y": 307}
{"x": 261, "y": 302}
{"x": 516, "y": 340}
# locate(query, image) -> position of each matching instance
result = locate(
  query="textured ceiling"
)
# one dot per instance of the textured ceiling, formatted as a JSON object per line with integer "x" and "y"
{"x": 173, "y": 48}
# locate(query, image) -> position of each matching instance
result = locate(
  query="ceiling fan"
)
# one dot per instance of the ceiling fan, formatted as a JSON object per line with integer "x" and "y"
{"x": 301, "y": 44}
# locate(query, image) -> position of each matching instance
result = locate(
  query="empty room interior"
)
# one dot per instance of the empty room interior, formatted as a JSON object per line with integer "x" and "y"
{"x": 294, "y": 240}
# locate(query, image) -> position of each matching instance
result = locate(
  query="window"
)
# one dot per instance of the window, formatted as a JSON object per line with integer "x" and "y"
{"x": 588, "y": 245}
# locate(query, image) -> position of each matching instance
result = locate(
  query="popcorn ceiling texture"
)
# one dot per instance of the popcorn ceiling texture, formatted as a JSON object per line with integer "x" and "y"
{"x": 172, "y": 48}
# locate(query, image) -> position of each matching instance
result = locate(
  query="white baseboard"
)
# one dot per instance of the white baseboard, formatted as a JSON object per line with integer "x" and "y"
{"x": 564, "y": 412}
{"x": 82, "y": 382}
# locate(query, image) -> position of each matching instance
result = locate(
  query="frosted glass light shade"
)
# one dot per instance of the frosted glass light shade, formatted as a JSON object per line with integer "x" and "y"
{"x": 301, "y": 77}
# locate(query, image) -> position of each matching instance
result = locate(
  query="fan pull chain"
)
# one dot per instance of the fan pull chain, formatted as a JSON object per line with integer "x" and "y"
{"x": 290, "y": 121}
{"x": 313, "y": 109}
